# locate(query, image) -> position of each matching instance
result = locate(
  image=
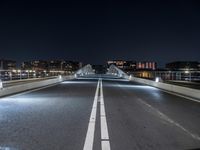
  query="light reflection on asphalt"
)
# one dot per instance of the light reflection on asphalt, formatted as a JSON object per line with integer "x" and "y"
{"x": 7, "y": 148}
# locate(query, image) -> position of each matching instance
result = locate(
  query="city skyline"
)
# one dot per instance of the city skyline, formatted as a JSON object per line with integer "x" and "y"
{"x": 95, "y": 32}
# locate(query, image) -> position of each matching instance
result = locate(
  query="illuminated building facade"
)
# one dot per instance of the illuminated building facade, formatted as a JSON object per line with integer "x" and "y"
{"x": 146, "y": 65}
{"x": 127, "y": 66}
{"x": 183, "y": 65}
{"x": 52, "y": 65}
{"x": 37, "y": 65}
{"x": 7, "y": 64}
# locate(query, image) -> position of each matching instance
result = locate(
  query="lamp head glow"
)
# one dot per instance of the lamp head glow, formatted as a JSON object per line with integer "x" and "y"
{"x": 1, "y": 84}
{"x": 130, "y": 77}
{"x": 187, "y": 71}
{"x": 75, "y": 75}
{"x": 60, "y": 77}
{"x": 157, "y": 79}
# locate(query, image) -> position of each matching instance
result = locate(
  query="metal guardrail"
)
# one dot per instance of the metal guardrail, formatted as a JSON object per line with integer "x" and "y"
{"x": 168, "y": 75}
{"x": 7, "y": 75}
{"x": 113, "y": 70}
{"x": 86, "y": 70}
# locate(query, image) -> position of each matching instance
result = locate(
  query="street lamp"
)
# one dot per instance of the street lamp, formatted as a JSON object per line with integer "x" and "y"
{"x": 187, "y": 71}
{"x": 27, "y": 71}
{"x": 130, "y": 77}
{"x": 20, "y": 74}
{"x": 1, "y": 84}
{"x": 60, "y": 77}
{"x": 45, "y": 72}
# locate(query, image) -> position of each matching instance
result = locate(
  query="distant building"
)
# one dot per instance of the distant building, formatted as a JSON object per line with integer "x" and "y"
{"x": 7, "y": 64}
{"x": 55, "y": 65}
{"x": 52, "y": 65}
{"x": 183, "y": 65}
{"x": 37, "y": 65}
{"x": 71, "y": 66}
{"x": 126, "y": 66}
{"x": 118, "y": 63}
{"x": 146, "y": 65}
{"x": 64, "y": 65}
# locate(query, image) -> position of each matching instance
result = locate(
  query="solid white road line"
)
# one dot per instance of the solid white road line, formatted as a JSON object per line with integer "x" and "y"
{"x": 105, "y": 143}
{"x": 91, "y": 127}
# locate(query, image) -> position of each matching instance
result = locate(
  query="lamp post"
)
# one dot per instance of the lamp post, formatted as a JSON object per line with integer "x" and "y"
{"x": 45, "y": 73}
{"x": 20, "y": 74}
{"x": 34, "y": 74}
{"x": 10, "y": 74}
{"x": 1, "y": 84}
{"x": 27, "y": 71}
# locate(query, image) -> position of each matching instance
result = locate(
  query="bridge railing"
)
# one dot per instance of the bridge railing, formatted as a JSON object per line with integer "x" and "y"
{"x": 10, "y": 75}
{"x": 86, "y": 70}
{"x": 184, "y": 75}
{"x": 115, "y": 71}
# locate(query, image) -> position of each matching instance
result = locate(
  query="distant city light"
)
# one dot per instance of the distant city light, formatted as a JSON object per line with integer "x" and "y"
{"x": 187, "y": 71}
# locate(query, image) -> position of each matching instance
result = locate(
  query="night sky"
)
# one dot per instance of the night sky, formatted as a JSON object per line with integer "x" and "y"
{"x": 96, "y": 31}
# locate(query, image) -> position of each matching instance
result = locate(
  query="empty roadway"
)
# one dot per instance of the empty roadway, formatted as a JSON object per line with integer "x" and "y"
{"x": 138, "y": 117}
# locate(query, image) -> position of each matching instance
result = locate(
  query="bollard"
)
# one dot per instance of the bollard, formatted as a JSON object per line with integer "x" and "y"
{"x": 1, "y": 84}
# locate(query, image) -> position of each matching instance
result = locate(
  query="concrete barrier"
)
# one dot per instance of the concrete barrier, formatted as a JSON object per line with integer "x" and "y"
{"x": 30, "y": 79}
{"x": 193, "y": 93}
{"x": 33, "y": 85}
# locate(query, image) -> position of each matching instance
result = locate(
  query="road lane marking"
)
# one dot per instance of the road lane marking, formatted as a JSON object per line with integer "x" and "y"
{"x": 89, "y": 140}
{"x": 105, "y": 143}
{"x": 166, "y": 118}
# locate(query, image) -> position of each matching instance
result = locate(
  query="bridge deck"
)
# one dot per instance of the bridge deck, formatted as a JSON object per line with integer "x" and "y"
{"x": 138, "y": 117}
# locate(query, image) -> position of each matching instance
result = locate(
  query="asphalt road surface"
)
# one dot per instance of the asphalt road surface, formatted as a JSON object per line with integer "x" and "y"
{"x": 86, "y": 114}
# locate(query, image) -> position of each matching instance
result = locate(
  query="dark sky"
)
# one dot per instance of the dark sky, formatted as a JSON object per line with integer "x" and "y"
{"x": 95, "y": 31}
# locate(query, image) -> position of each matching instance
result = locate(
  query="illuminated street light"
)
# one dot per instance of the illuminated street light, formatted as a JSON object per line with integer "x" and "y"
{"x": 75, "y": 75}
{"x": 60, "y": 77}
{"x": 157, "y": 79}
{"x": 1, "y": 84}
{"x": 187, "y": 71}
{"x": 130, "y": 77}
{"x": 14, "y": 70}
